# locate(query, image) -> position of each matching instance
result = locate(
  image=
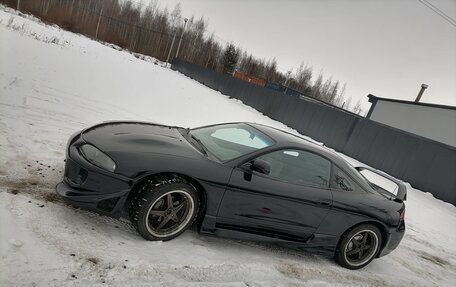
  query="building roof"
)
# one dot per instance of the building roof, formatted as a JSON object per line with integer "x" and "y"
{"x": 373, "y": 99}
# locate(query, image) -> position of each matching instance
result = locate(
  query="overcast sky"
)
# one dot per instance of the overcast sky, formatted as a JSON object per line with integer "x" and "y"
{"x": 384, "y": 47}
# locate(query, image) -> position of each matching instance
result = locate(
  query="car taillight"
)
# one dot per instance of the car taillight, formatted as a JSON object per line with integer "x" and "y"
{"x": 402, "y": 215}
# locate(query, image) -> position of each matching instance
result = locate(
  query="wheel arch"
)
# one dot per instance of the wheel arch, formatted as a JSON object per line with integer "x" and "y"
{"x": 202, "y": 195}
{"x": 377, "y": 224}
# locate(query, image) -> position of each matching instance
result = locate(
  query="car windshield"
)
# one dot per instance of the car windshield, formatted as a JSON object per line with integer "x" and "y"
{"x": 230, "y": 141}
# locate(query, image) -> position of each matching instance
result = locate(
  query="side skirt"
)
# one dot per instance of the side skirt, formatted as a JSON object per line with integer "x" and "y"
{"x": 321, "y": 244}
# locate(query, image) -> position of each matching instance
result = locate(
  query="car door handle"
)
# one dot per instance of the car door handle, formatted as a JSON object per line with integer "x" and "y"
{"x": 324, "y": 203}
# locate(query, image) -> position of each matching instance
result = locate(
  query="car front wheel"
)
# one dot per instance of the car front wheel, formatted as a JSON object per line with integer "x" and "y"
{"x": 358, "y": 246}
{"x": 165, "y": 210}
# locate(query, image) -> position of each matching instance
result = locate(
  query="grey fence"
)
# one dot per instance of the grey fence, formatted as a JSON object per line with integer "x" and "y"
{"x": 428, "y": 165}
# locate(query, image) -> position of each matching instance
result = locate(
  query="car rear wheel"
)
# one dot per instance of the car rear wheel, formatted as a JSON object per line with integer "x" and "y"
{"x": 163, "y": 211}
{"x": 358, "y": 246}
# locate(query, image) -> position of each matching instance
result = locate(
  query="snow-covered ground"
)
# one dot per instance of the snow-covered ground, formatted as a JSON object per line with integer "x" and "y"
{"x": 53, "y": 83}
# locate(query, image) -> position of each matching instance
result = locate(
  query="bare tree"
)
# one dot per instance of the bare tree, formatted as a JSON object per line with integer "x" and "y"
{"x": 357, "y": 108}
{"x": 149, "y": 30}
{"x": 316, "y": 87}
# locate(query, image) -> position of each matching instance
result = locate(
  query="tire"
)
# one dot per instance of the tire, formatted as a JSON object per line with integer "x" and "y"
{"x": 358, "y": 246}
{"x": 164, "y": 208}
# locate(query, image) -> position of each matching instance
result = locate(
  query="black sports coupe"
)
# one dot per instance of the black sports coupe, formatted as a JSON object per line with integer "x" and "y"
{"x": 238, "y": 180}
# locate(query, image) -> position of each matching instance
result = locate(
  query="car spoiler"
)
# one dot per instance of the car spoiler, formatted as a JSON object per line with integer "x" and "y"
{"x": 401, "y": 195}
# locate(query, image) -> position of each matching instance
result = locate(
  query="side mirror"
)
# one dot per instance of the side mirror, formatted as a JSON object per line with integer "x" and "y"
{"x": 260, "y": 166}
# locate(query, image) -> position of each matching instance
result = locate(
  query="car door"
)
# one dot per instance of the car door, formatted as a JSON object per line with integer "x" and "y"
{"x": 287, "y": 203}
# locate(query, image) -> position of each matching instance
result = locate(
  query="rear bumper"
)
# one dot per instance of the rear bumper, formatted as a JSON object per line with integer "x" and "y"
{"x": 394, "y": 238}
{"x": 87, "y": 186}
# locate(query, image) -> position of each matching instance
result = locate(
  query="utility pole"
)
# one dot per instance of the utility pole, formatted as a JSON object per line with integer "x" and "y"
{"x": 171, "y": 48}
{"x": 98, "y": 24}
{"x": 423, "y": 87}
{"x": 18, "y": 4}
{"x": 180, "y": 40}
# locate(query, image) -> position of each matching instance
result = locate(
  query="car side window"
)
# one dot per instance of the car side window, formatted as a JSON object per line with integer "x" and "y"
{"x": 340, "y": 180}
{"x": 299, "y": 167}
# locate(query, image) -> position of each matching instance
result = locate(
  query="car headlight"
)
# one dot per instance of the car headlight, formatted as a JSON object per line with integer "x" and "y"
{"x": 97, "y": 157}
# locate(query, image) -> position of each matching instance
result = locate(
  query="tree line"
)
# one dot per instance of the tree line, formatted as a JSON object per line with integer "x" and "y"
{"x": 154, "y": 31}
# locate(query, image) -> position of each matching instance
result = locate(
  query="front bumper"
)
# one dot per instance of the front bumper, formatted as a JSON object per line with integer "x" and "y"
{"x": 87, "y": 186}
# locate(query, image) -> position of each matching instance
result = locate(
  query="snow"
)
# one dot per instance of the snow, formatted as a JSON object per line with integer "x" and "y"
{"x": 53, "y": 83}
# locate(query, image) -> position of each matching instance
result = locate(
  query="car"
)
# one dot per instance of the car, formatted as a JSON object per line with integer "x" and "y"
{"x": 236, "y": 180}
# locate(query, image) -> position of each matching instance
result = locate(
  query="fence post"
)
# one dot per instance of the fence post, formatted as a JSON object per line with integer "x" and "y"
{"x": 98, "y": 24}
{"x": 18, "y": 4}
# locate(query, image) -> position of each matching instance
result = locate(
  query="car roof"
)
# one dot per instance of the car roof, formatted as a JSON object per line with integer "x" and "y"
{"x": 286, "y": 139}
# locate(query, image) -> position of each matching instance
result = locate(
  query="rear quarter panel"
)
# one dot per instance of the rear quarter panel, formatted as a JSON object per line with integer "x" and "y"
{"x": 352, "y": 208}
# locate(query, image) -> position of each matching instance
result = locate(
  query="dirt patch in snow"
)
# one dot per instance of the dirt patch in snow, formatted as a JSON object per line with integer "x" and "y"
{"x": 94, "y": 260}
{"x": 434, "y": 259}
{"x": 51, "y": 197}
{"x": 16, "y": 186}
{"x": 37, "y": 178}
{"x": 30, "y": 185}
{"x": 304, "y": 273}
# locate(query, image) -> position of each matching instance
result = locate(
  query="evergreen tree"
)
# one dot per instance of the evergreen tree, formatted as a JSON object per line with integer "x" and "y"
{"x": 230, "y": 58}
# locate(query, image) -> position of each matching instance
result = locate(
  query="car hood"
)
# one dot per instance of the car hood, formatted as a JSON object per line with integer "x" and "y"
{"x": 120, "y": 138}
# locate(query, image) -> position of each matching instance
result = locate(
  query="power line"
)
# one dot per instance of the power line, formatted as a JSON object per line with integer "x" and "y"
{"x": 437, "y": 8}
{"x": 439, "y": 12}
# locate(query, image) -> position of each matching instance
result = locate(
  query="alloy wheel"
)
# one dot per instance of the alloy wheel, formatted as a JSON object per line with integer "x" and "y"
{"x": 361, "y": 247}
{"x": 170, "y": 213}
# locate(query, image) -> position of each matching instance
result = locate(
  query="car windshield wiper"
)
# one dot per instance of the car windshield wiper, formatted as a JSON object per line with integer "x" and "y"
{"x": 203, "y": 148}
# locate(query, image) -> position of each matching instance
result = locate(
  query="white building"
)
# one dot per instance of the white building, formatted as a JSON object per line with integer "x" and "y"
{"x": 436, "y": 122}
